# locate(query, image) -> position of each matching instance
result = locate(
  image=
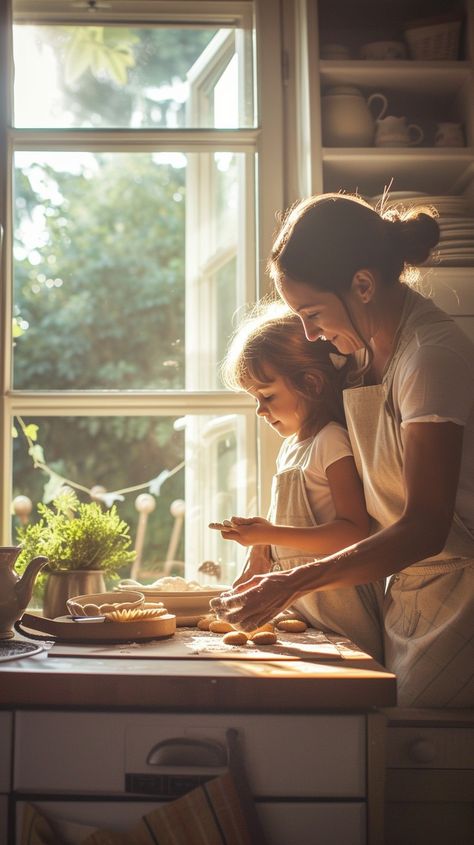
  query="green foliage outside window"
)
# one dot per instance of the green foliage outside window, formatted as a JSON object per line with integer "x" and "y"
{"x": 115, "y": 318}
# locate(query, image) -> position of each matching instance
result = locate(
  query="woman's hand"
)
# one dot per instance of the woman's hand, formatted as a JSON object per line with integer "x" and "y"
{"x": 258, "y": 562}
{"x": 247, "y": 532}
{"x": 254, "y": 602}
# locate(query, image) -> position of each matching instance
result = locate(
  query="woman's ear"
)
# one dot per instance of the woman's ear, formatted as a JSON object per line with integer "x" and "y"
{"x": 363, "y": 286}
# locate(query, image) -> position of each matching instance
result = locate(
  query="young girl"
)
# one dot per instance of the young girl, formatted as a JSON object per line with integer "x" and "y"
{"x": 317, "y": 502}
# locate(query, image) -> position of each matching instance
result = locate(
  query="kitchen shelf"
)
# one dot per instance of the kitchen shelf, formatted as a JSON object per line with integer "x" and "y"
{"x": 370, "y": 169}
{"x": 406, "y": 76}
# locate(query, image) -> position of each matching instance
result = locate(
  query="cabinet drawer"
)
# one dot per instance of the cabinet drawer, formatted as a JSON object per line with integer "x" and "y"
{"x": 301, "y": 756}
{"x": 432, "y": 748}
{"x": 3, "y": 820}
{"x": 6, "y": 728}
{"x": 312, "y": 823}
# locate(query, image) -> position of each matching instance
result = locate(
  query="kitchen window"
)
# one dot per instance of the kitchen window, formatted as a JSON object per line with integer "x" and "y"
{"x": 140, "y": 172}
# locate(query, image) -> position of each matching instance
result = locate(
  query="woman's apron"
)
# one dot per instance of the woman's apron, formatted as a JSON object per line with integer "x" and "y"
{"x": 429, "y": 606}
{"x": 353, "y": 612}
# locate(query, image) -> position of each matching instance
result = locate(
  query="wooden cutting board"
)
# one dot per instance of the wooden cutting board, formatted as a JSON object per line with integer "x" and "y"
{"x": 65, "y": 630}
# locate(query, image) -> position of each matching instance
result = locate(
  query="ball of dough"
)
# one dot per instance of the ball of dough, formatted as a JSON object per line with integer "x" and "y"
{"x": 269, "y": 626}
{"x": 219, "y": 627}
{"x": 264, "y": 638}
{"x": 203, "y": 624}
{"x": 235, "y": 638}
{"x": 292, "y": 626}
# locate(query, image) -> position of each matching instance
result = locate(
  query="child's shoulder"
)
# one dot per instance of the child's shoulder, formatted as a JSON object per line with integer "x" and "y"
{"x": 331, "y": 443}
{"x": 332, "y": 431}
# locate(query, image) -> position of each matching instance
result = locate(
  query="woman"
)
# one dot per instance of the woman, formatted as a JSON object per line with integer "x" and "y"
{"x": 337, "y": 263}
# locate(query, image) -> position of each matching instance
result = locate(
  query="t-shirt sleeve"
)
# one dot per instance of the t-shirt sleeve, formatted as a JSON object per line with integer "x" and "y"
{"x": 333, "y": 445}
{"x": 435, "y": 385}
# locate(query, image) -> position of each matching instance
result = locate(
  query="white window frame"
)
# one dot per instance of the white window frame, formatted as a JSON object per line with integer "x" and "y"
{"x": 265, "y": 142}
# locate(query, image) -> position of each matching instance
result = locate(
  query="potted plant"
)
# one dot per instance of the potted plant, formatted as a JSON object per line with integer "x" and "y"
{"x": 82, "y": 542}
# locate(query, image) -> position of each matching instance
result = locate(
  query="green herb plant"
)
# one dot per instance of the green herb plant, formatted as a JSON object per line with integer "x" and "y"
{"x": 74, "y": 535}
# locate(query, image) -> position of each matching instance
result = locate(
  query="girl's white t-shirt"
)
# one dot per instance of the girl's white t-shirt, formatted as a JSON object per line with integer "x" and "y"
{"x": 314, "y": 455}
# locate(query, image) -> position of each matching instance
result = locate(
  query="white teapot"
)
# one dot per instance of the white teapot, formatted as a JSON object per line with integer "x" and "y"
{"x": 395, "y": 132}
{"x": 346, "y": 117}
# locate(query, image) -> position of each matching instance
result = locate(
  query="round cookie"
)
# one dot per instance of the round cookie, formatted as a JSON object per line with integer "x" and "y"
{"x": 203, "y": 624}
{"x": 292, "y": 626}
{"x": 264, "y": 638}
{"x": 235, "y": 638}
{"x": 219, "y": 627}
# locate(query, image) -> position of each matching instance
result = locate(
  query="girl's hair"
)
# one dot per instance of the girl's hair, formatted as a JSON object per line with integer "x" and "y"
{"x": 271, "y": 340}
{"x": 324, "y": 240}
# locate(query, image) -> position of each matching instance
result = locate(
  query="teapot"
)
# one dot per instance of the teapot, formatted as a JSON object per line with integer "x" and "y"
{"x": 15, "y": 592}
{"x": 346, "y": 117}
{"x": 394, "y": 131}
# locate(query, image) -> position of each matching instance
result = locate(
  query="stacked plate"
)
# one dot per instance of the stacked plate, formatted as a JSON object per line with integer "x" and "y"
{"x": 456, "y": 245}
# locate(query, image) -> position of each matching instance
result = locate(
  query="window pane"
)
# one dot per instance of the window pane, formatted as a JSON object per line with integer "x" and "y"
{"x": 125, "y": 268}
{"x": 122, "y": 77}
{"x": 195, "y": 468}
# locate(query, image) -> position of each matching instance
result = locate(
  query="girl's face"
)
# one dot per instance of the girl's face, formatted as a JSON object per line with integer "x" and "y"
{"x": 279, "y": 405}
{"x": 324, "y": 315}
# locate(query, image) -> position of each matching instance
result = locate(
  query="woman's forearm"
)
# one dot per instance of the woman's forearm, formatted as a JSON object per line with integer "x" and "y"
{"x": 375, "y": 557}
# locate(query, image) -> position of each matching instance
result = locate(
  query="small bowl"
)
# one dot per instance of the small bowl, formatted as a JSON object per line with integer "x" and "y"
{"x": 96, "y": 604}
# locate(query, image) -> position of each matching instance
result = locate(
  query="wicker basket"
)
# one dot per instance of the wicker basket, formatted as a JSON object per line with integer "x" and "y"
{"x": 434, "y": 42}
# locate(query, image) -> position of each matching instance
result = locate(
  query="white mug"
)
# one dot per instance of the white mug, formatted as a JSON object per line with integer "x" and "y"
{"x": 393, "y": 131}
{"x": 449, "y": 135}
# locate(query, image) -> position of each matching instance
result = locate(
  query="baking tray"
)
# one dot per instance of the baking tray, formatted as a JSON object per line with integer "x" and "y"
{"x": 64, "y": 629}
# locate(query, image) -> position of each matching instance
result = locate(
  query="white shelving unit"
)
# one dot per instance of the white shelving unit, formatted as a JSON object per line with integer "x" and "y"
{"x": 426, "y": 92}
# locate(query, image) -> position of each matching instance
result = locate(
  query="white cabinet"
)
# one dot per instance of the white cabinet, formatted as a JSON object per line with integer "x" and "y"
{"x": 284, "y": 823}
{"x": 429, "y": 777}
{"x": 6, "y": 729}
{"x": 307, "y": 772}
{"x": 426, "y": 92}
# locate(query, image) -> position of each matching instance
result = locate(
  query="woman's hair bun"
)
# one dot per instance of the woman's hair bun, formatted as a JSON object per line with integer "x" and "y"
{"x": 417, "y": 234}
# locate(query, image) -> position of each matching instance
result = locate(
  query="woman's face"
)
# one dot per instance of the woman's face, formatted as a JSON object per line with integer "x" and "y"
{"x": 324, "y": 315}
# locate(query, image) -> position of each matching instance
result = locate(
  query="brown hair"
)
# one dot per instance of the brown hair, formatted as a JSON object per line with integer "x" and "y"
{"x": 324, "y": 240}
{"x": 272, "y": 336}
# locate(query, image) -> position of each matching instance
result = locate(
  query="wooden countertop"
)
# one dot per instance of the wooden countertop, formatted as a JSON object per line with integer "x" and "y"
{"x": 354, "y": 682}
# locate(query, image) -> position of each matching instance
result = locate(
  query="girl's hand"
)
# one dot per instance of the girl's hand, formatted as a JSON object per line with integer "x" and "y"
{"x": 247, "y": 532}
{"x": 258, "y": 562}
{"x": 254, "y": 602}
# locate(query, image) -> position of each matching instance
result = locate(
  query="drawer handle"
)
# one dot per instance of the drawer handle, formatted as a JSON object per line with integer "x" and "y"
{"x": 421, "y": 751}
{"x": 184, "y": 751}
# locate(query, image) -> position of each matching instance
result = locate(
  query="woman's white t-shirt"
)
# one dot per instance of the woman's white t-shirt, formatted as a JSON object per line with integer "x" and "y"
{"x": 314, "y": 455}
{"x": 434, "y": 382}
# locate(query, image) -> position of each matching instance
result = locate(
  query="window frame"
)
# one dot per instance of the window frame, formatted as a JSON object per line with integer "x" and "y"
{"x": 265, "y": 141}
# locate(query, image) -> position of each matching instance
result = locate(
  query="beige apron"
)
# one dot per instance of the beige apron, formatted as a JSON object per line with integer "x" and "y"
{"x": 429, "y": 606}
{"x": 353, "y": 612}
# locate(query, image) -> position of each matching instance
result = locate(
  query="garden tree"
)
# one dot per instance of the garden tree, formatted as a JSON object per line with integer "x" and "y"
{"x": 102, "y": 306}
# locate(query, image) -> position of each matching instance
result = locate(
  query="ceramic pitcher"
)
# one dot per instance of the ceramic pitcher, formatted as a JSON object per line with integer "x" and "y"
{"x": 395, "y": 132}
{"x": 347, "y": 120}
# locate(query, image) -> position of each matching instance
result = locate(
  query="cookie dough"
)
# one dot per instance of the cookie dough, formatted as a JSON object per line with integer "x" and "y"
{"x": 264, "y": 638}
{"x": 292, "y": 626}
{"x": 235, "y": 638}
